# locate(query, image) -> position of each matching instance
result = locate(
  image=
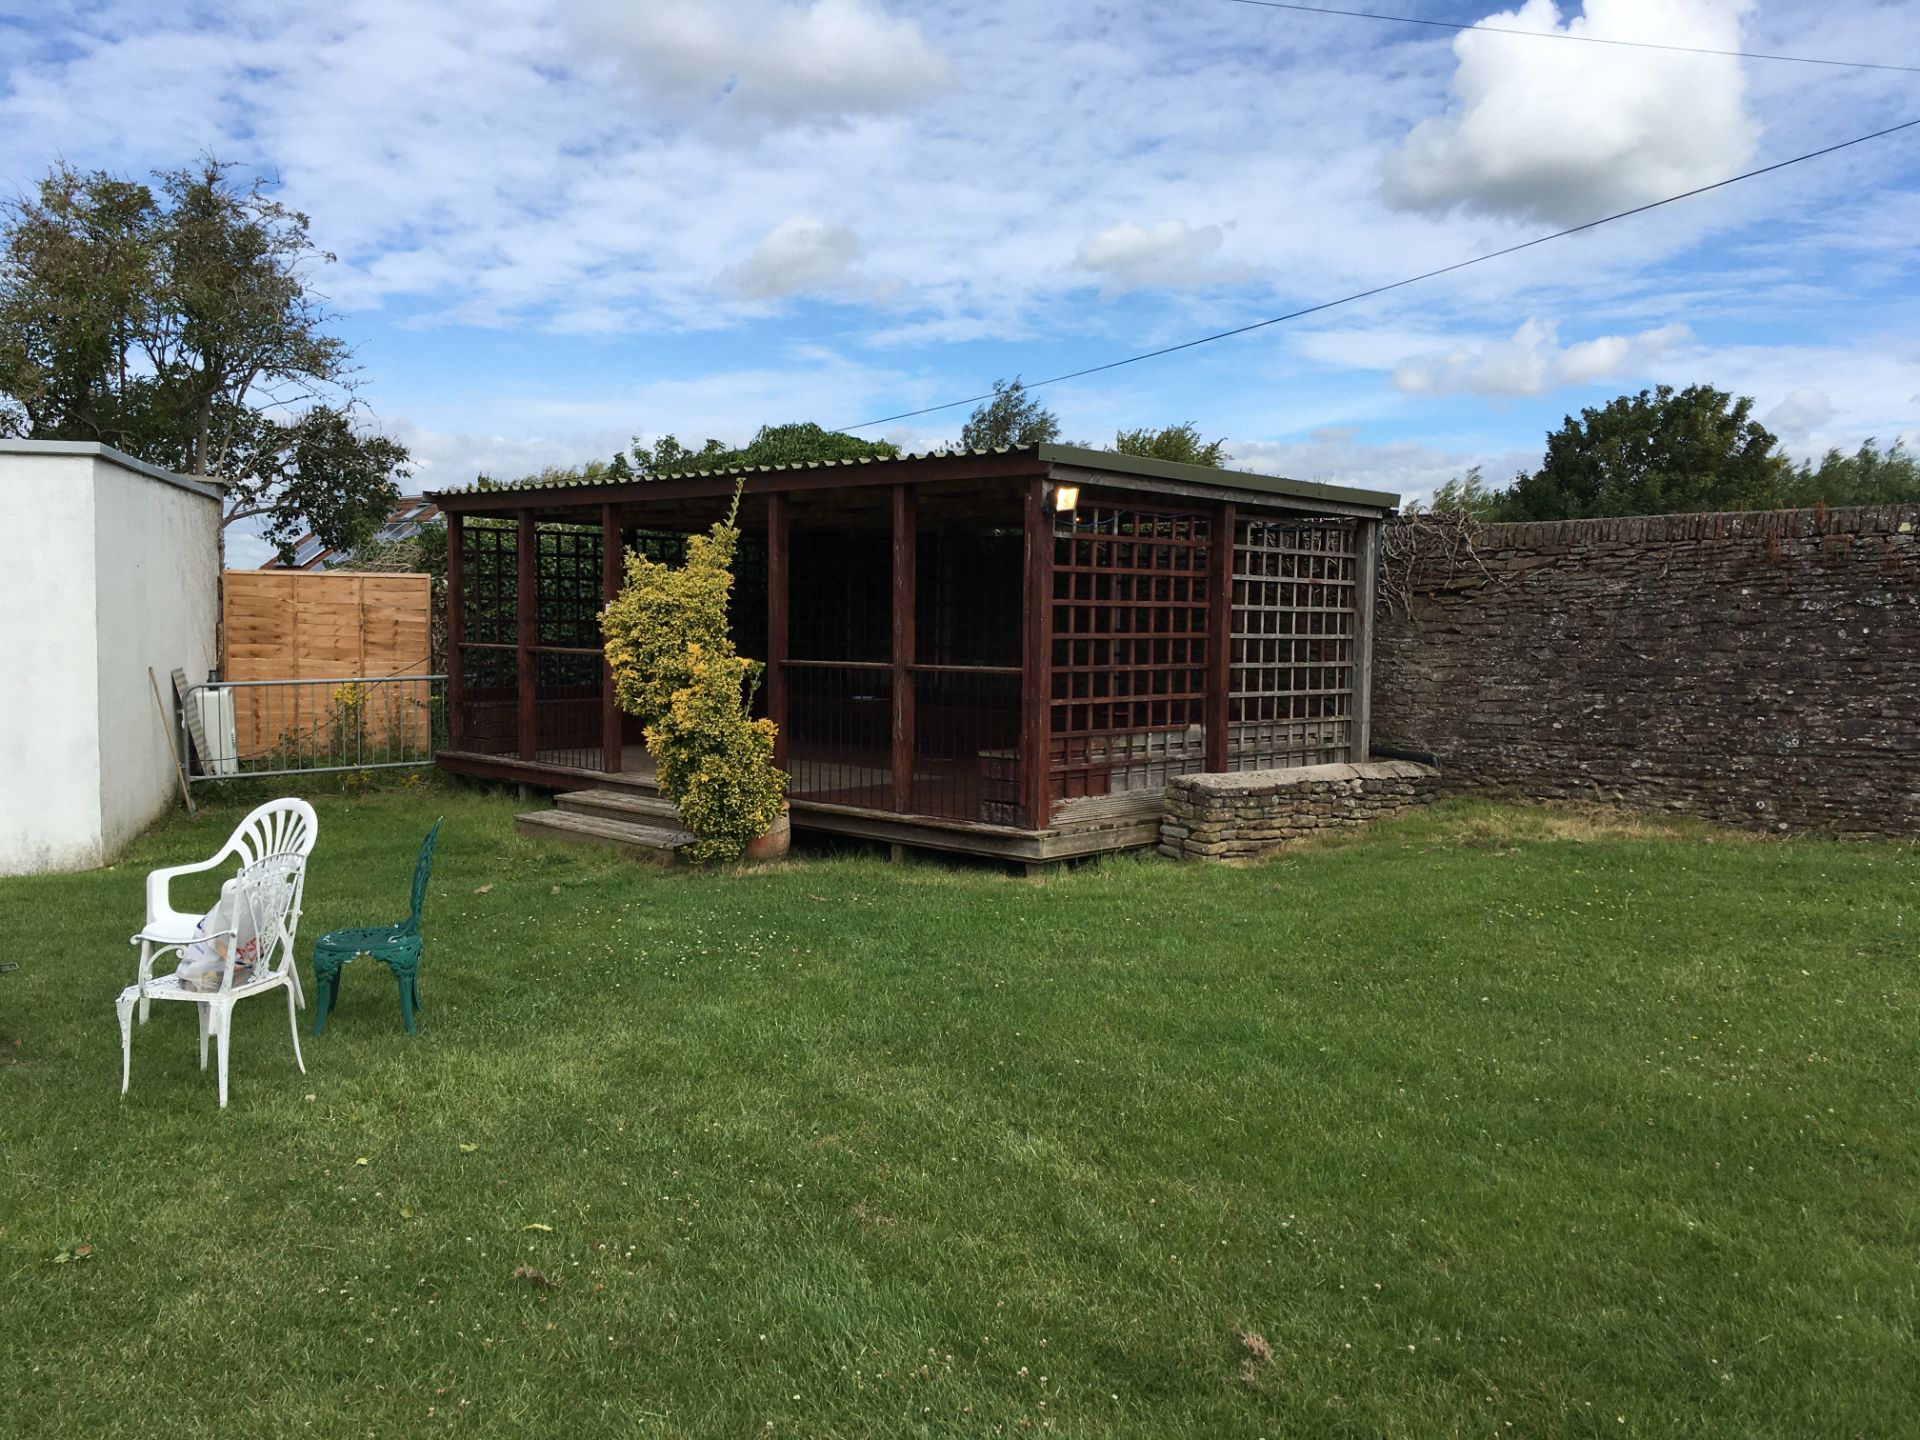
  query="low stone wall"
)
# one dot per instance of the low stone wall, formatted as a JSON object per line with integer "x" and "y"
{"x": 1219, "y": 817}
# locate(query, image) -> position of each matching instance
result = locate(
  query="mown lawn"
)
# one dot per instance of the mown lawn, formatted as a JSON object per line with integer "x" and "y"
{"x": 1494, "y": 1123}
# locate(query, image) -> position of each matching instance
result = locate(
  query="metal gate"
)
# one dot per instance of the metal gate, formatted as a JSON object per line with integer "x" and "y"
{"x": 230, "y": 729}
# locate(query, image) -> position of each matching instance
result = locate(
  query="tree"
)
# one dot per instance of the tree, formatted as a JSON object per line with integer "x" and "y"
{"x": 1012, "y": 417}
{"x": 422, "y": 553}
{"x": 76, "y": 268}
{"x": 1179, "y": 443}
{"x": 674, "y": 666}
{"x": 1467, "y": 495}
{"x": 795, "y": 443}
{"x": 668, "y": 456}
{"x": 178, "y": 326}
{"x": 589, "y": 472}
{"x": 1869, "y": 476}
{"x": 1658, "y": 452}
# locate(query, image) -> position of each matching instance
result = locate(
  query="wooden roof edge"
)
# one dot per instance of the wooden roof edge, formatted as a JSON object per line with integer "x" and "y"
{"x": 756, "y": 480}
{"x": 1083, "y": 458}
{"x": 925, "y": 468}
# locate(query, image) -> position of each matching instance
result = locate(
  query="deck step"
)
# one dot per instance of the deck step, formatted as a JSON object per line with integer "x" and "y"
{"x": 621, "y": 805}
{"x": 637, "y": 838}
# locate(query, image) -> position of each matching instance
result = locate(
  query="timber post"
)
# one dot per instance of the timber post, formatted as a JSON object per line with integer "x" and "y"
{"x": 777, "y": 596}
{"x": 1219, "y": 702}
{"x": 1036, "y": 659}
{"x": 1366, "y": 567}
{"x": 456, "y": 693}
{"x": 611, "y": 564}
{"x": 526, "y": 577}
{"x": 904, "y": 578}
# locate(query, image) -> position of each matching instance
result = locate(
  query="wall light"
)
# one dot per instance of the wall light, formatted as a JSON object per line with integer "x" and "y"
{"x": 1066, "y": 497}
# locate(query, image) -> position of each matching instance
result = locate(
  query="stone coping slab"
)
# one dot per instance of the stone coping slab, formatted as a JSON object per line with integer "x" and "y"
{"x": 1235, "y": 781}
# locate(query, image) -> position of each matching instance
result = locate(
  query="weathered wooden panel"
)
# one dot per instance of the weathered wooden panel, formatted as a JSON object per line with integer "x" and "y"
{"x": 301, "y": 625}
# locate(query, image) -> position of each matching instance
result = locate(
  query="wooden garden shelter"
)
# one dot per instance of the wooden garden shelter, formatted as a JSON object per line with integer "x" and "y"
{"x": 1001, "y": 652}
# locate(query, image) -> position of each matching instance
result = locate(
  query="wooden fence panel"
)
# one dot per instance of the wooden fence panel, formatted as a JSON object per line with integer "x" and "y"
{"x": 302, "y": 625}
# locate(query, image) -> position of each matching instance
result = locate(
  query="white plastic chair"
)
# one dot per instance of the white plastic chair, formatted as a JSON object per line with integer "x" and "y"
{"x": 279, "y": 827}
{"x": 266, "y": 914}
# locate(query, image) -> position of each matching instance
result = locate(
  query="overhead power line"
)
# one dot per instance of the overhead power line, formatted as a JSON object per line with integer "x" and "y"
{"x": 1401, "y": 284}
{"x": 1584, "y": 39}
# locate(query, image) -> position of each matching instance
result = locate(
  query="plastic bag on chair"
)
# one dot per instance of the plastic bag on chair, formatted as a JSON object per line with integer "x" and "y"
{"x": 203, "y": 960}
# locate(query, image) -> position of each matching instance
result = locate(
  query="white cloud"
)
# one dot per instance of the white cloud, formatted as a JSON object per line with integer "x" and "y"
{"x": 1597, "y": 359}
{"x": 1531, "y": 361}
{"x": 1517, "y": 366}
{"x": 495, "y": 175}
{"x": 815, "y": 60}
{"x": 800, "y": 256}
{"x": 1172, "y": 255}
{"x": 514, "y": 431}
{"x": 500, "y": 165}
{"x": 1801, "y": 413}
{"x": 1871, "y": 386}
{"x": 452, "y": 459}
{"x": 1411, "y": 469}
{"x": 1569, "y": 132}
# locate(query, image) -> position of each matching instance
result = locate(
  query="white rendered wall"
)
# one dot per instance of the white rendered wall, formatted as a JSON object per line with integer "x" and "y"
{"x": 157, "y": 553}
{"x": 106, "y": 566}
{"x": 50, "y": 714}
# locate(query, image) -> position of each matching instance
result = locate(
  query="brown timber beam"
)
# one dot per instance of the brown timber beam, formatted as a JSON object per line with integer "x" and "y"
{"x": 526, "y": 564}
{"x": 611, "y": 564}
{"x": 1036, "y": 659}
{"x": 904, "y": 558}
{"x": 1220, "y": 635}
{"x": 456, "y": 633}
{"x": 777, "y": 596}
{"x": 1247, "y": 498}
{"x": 1366, "y": 575}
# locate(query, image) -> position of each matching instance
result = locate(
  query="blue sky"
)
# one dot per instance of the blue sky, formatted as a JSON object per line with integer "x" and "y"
{"x": 562, "y": 225}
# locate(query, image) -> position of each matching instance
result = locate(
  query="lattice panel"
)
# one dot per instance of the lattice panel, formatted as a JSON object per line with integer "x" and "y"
{"x": 669, "y": 547}
{"x": 747, "y": 610}
{"x": 1295, "y": 623}
{"x": 491, "y": 583}
{"x": 490, "y": 700}
{"x": 1129, "y": 660}
{"x": 569, "y": 590}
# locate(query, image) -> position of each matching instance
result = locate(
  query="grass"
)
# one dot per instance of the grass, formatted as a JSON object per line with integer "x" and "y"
{"x": 1494, "y": 1122}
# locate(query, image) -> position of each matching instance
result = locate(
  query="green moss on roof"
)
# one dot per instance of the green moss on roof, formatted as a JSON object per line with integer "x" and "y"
{"x": 1080, "y": 457}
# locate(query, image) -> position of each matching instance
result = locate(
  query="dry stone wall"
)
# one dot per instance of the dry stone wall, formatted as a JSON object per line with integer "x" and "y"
{"x": 1243, "y": 812}
{"x": 1757, "y": 669}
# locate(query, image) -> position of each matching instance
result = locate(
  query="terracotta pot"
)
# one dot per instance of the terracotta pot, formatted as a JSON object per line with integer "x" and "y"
{"x": 772, "y": 845}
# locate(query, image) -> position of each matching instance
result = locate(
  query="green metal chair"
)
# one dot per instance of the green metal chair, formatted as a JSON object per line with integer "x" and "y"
{"x": 397, "y": 946}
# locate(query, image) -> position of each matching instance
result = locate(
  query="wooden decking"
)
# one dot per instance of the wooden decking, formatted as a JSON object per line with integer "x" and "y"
{"x": 1115, "y": 823}
{"x": 646, "y": 827}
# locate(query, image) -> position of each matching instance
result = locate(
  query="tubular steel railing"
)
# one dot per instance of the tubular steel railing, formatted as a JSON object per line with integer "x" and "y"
{"x": 964, "y": 749}
{"x": 840, "y": 732}
{"x": 966, "y": 743}
{"x": 231, "y": 729}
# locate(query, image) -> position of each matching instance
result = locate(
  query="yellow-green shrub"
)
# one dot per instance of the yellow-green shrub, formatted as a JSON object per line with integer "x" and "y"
{"x": 660, "y": 612}
{"x": 715, "y": 762}
{"x": 675, "y": 667}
